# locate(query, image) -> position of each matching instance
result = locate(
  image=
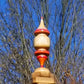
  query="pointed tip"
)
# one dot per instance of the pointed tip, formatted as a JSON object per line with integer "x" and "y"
{"x": 41, "y": 26}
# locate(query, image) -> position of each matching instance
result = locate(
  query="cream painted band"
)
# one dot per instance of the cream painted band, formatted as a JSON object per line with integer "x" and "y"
{"x": 42, "y": 40}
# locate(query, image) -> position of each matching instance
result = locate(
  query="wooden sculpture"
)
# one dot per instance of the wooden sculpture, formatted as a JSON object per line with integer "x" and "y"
{"x": 42, "y": 43}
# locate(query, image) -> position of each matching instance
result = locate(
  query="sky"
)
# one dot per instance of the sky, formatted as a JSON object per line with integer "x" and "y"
{"x": 52, "y": 19}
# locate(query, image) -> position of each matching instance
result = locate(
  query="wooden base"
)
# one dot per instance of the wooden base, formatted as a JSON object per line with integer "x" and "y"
{"x": 43, "y": 80}
{"x": 43, "y": 76}
{"x": 44, "y": 83}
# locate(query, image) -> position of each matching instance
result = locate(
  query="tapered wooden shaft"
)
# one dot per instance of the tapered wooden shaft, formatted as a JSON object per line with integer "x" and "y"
{"x": 41, "y": 43}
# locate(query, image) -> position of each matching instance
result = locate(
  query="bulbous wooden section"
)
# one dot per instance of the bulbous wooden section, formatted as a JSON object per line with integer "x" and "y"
{"x": 42, "y": 41}
{"x": 43, "y": 71}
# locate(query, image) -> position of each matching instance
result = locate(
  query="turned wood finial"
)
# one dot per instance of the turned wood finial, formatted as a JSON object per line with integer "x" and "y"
{"x": 41, "y": 43}
{"x": 42, "y": 75}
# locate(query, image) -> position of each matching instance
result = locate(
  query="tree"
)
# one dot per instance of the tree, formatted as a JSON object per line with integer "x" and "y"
{"x": 17, "y": 24}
